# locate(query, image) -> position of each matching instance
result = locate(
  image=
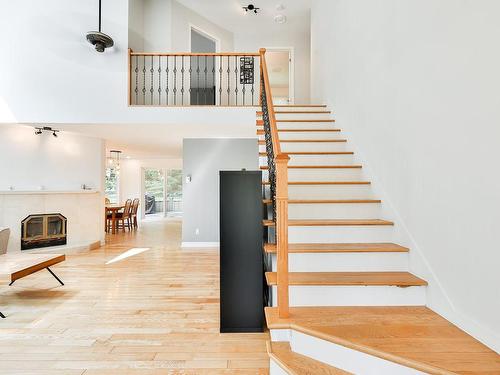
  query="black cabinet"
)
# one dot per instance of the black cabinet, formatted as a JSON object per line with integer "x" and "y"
{"x": 241, "y": 256}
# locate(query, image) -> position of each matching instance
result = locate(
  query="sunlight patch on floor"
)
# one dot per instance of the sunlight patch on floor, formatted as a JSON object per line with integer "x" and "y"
{"x": 127, "y": 254}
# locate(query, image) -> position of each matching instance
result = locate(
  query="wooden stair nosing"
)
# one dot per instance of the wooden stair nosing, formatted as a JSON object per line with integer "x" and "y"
{"x": 263, "y": 142}
{"x": 401, "y": 279}
{"x": 336, "y": 130}
{"x": 300, "y": 105}
{"x": 327, "y": 201}
{"x": 331, "y": 222}
{"x": 298, "y": 364}
{"x": 382, "y": 247}
{"x": 324, "y": 183}
{"x": 264, "y": 167}
{"x": 307, "y": 153}
{"x": 259, "y": 113}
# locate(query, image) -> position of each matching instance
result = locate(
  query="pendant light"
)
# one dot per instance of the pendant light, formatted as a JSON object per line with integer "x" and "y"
{"x": 99, "y": 40}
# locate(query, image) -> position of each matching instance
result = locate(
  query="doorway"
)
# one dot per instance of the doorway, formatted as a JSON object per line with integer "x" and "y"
{"x": 202, "y": 76}
{"x": 154, "y": 192}
{"x": 174, "y": 193}
{"x": 280, "y": 69}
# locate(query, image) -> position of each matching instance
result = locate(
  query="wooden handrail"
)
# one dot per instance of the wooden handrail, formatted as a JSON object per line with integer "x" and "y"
{"x": 256, "y": 54}
{"x": 281, "y": 196}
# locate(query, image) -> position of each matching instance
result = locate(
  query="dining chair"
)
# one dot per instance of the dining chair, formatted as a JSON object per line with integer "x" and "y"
{"x": 125, "y": 215}
{"x": 133, "y": 214}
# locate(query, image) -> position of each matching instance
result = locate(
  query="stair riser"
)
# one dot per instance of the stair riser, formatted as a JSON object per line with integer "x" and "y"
{"x": 303, "y": 125}
{"x": 330, "y": 192}
{"x": 354, "y": 295}
{"x": 322, "y": 174}
{"x": 316, "y": 160}
{"x": 345, "y": 358}
{"x": 339, "y": 234}
{"x": 345, "y": 262}
{"x": 334, "y": 211}
{"x": 309, "y": 135}
{"x": 310, "y": 146}
{"x": 300, "y": 108}
{"x": 275, "y": 369}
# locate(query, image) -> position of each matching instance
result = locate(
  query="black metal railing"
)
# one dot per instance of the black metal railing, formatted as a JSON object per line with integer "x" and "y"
{"x": 184, "y": 79}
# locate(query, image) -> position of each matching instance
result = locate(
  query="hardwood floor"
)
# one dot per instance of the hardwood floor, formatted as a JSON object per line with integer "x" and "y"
{"x": 153, "y": 312}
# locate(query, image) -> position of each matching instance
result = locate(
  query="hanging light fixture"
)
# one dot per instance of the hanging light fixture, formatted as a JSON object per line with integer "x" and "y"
{"x": 251, "y": 8}
{"x": 99, "y": 40}
{"x": 114, "y": 159}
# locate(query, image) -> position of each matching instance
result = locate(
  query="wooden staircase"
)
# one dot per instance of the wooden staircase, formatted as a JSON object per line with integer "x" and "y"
{"x": 355, "y": 307}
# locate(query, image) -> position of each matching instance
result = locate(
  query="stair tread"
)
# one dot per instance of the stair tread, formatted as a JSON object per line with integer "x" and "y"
{"x": 349, "y": 278}
{"x": 298, "y": 364}
{"x": 327, "y": 201}
{"x": 263, "y": 142}
{"x": 300, "y": 105}
{"x": 330, "y": 222}
{"x": 412, "y": 336}
{"x": 259, "y": 113}
{"x": 324, "y": 182}
{"x": 339, "y": 248}
{"x": 260, "y": 131}
{"x": 314, "y": 153}
{"x": 318, "y": 166}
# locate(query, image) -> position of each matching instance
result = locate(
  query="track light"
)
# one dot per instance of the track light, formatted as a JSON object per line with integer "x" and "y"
{"x": 40, "y": 130}
{"x": 252, "y": 8}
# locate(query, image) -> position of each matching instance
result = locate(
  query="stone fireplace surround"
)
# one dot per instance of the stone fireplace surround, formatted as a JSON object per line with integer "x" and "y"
{"x": 84, "y": 211}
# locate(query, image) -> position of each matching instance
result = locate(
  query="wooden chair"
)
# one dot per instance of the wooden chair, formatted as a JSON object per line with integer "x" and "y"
{"x": 133, "y": 214}
{"x": 121, "y": 217}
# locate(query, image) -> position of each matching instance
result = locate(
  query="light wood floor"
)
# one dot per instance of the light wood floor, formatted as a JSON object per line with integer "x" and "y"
{"x": 156, "y": 312}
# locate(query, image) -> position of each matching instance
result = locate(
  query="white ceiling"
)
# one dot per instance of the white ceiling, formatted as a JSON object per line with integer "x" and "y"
{"x": 230, "y": 15}
{"x": 154, "y": 141}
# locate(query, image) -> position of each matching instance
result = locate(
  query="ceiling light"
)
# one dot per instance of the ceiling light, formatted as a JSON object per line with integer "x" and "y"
{"x": 280, "y": 18}
{"x": 54, "y": 133}
{"x": 251, "y": 8}
{"x": 280, "y": 7}
{"x": 40, "y": 130}
{"x": 99, "y": 40}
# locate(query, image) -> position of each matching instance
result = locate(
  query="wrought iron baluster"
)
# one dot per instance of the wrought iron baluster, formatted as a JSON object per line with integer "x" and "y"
{"x": 174, "y": 91}
{"x": 166, "y": 87}
{"x": 182, "y": 79}
{"x": 144, "y": 80}
{"x": 243, "y": 90}
{"x": 151, "y": 89}
{"x": 136, "y": 78}
{"x": 269, "y": 149}
{"x": 228, "y": 81}
{"x": 213, "y": 77}
{"x": 190, "y": 90}
{"x": 205, "y": 88}
{"x": 159, "y": 80}
{"x": 253, "y": 89}
{"x": 220, "y": 80}
{"x": 236, "y": 80}
{"x": 198, "y": 79}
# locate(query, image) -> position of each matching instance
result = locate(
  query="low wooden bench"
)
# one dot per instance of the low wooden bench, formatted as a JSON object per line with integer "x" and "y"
{"x": 18, "y": 265}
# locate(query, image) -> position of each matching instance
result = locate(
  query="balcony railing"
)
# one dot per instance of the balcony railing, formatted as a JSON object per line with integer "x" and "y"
{"x": 188, "y": 79}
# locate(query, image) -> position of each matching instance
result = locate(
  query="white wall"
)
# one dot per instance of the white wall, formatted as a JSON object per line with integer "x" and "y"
{"x": 252, "y": 41}
{"x": 131, "y": 170}
{"x": 415, "y": 86}
{"x": 203, "y": 158}
{"x": 38, "y": 166}
{"x": 29, "y": 161}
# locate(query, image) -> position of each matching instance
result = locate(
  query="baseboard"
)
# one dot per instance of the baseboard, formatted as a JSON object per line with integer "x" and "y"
{"x": 200, "y": 244}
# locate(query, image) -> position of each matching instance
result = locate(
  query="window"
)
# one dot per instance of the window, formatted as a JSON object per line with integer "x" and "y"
{"x": 112, "y": 181}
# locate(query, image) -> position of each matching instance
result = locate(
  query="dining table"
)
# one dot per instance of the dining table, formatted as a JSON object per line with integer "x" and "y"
{"x": 112, "y": 208}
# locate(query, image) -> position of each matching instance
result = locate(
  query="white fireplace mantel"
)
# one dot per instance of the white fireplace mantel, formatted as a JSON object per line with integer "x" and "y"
{"x": 43, "y": 192}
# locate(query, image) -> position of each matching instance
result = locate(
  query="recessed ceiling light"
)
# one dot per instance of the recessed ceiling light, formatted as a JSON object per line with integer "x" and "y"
{"x": 280, "y": 7}
{"x": 280, "y": 18}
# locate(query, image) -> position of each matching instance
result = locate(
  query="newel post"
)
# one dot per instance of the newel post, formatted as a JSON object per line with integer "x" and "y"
{"x": 129, "y": 56}
{"x": 282, "y": 233}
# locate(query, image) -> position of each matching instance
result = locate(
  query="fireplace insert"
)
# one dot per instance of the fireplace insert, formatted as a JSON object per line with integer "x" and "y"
{"x": 43, "y": 230}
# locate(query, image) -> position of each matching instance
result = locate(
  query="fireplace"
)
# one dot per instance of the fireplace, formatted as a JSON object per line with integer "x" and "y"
{"x": 43, "y": 230}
